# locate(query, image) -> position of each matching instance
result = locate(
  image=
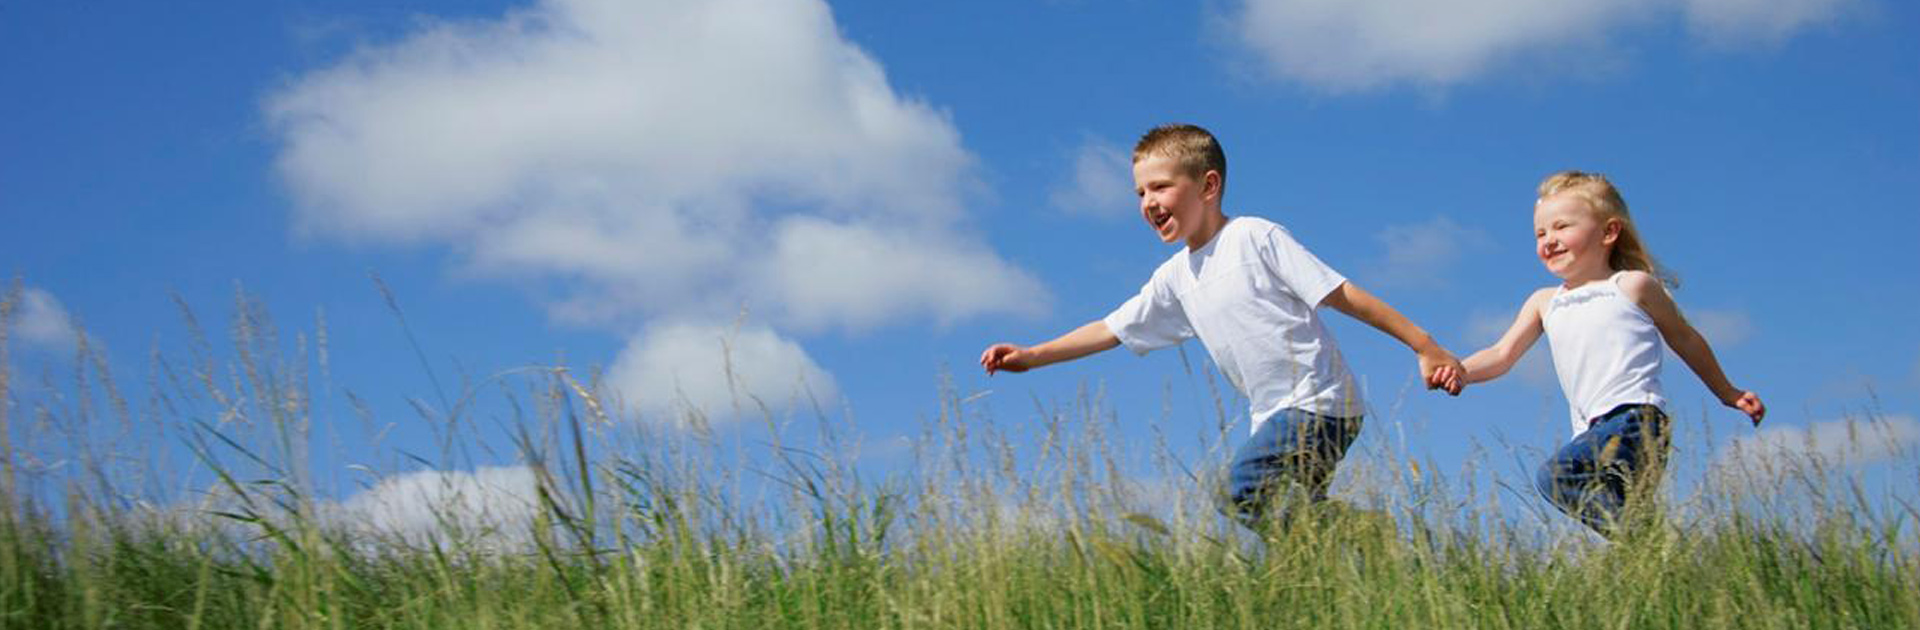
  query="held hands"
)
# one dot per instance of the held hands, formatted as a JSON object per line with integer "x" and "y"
{"x": 1004, "y": 356}
{"x": 1749, "y": 403}
{"x": 1442, "y": 371}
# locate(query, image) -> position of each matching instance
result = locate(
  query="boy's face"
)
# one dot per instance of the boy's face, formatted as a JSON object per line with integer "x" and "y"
{"x": 1174, "y": 203}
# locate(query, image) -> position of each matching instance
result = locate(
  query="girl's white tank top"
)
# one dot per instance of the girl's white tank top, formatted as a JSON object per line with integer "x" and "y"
{"x": 1606, "y": 350}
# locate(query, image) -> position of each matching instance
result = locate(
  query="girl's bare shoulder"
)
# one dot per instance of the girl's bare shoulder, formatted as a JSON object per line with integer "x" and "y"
{"x": 1638, "y": 285}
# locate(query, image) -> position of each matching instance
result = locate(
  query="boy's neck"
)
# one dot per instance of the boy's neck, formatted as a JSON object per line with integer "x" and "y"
{"x": 1215, "y": 221}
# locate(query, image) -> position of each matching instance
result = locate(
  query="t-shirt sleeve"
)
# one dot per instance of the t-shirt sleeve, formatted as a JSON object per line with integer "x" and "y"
{"x": 1310, "y": 279}
{"x": 1151, "y": 320}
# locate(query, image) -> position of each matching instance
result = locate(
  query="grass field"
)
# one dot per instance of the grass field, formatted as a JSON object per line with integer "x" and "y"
{"x": 635, "y": 528}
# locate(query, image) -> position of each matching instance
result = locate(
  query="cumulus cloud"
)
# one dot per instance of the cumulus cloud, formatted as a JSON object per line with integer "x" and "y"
{"x": 1775, "y": 453}
{"x": 1424, "y": 254}
{"x": 719, "y": 371}
{"x": 40, "y": 320}
{"x": 826, "y": 272}
{"x": 492, "y": 507}
{"x": 1766, "y": 22}
{"x": 1101, "y": 184}
{"x": 1722, "y": 328}
{"x": 489, "y": 509}
{"x": 657, "y": 158}
{"x": 1363, "y": 44}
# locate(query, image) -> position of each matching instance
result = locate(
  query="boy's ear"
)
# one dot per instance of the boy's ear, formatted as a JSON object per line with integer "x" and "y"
{"x": 1210, "y": 183}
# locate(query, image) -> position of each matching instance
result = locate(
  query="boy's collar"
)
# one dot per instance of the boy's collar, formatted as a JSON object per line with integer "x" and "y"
{"x": 1225, "y": 219}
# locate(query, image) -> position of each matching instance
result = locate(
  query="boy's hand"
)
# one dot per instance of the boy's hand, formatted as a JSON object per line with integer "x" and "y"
{"x": 1749, "y": 403}
{"x": 1443, "y": 371}
{"x": 1087, "y": 339}
{"x": 1003, "y": 356}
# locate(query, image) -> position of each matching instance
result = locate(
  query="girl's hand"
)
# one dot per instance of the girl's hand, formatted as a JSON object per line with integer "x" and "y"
{"x": 1749, "y": 403}
{"x": 1442, "y": 371}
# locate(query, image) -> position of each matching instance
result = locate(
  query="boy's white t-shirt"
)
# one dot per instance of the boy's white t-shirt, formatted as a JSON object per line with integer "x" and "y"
{"x": 1250, "y": 296}
{"x": 1606, "y": 350}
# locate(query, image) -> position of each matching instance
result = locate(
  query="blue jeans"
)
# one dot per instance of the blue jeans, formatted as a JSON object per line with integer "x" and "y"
{"x": 1289, "y": 460}
{"x": 1609, "y": 467}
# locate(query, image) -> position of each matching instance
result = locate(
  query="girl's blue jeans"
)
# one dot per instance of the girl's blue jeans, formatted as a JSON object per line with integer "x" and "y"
{"x": 1609, "y": 467}
{"x": 1288, "y": 461}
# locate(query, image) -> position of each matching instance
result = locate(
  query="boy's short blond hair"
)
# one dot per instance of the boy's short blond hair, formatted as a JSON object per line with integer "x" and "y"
{"x": 1192, "y": 148}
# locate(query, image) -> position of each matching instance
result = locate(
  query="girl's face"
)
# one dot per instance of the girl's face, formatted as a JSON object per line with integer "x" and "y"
{"x": 1571, "y": 239}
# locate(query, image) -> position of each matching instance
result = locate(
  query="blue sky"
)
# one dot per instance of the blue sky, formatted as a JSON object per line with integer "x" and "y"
{"x": 861, "y": 196}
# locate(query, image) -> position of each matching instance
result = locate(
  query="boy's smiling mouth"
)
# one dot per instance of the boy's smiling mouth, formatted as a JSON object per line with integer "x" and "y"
{"x": 1160, "y": 220}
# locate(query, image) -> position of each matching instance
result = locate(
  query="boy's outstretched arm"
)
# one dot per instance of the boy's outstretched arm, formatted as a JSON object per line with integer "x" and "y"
{"x": 1495, "y": 360}
{"x": 1646, "y": 291}
{"x": 1085, "y": 340}
{"x": 1440, "y": 369}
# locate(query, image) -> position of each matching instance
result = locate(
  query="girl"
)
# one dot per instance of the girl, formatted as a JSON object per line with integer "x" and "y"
{"x": 1604, "y": 323}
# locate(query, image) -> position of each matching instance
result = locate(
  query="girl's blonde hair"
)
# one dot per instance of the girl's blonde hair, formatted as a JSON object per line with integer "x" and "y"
{"x": 1629, "y": 251}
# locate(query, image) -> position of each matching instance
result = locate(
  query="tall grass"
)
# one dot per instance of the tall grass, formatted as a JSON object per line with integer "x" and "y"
{"x": 613, "y": 521}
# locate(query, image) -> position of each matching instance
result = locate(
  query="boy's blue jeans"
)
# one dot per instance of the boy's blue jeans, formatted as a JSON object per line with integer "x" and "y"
{"x": 1609, "y": 467}
{"x": 1288, "y": 461}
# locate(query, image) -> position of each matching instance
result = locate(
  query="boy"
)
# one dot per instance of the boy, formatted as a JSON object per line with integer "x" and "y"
{"x": 1249, "y": 292}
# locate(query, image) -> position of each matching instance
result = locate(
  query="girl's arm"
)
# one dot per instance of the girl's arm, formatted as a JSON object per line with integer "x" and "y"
{"x": 1496, "y": 359}
{"x": 1645, "y": 290}
{"x": 1437, "y": 366}
{"x": 1088, "y": 339}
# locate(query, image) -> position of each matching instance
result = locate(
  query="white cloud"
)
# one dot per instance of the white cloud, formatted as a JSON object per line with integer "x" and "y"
{"x": 1344, "y": 45}
{"x": 1722, "y": 328}
{"x": 1423, "y": 254}
{"x": 490, "y": 507}
{"x": 824, "y": 272}
{"x": 1775, "y": 453}
{"x": 1767, "y": 22}
{"x": 1360, "y": 44}
{"x": 721, "y": 372}
{"x": 40, "y": 320}
{"x": 659, "y": 158}
{"x": 1102, "y": 182}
